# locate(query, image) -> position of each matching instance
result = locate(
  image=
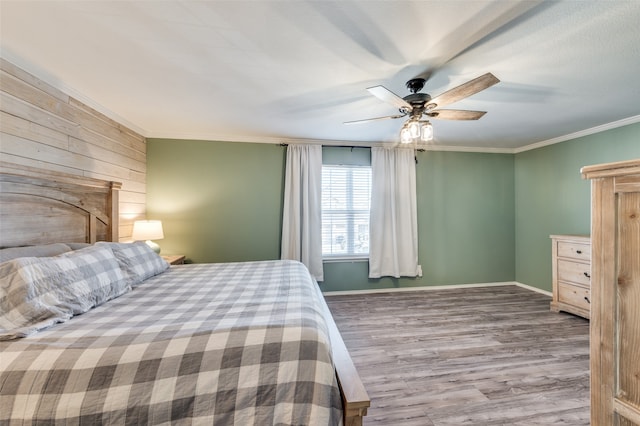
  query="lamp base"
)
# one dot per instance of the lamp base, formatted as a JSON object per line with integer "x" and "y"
{"x": 155, "y": 247}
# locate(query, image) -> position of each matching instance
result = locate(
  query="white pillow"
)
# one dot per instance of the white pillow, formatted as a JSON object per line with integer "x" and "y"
{"x": 137, "y": 260}
{"x": 37, "y": 292}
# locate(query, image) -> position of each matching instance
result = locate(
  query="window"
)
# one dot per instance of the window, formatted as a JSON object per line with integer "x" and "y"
{"x": 346, "y": 197}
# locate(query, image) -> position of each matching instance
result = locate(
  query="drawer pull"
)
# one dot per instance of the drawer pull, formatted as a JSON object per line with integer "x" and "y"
{"x": 579, "y": 251}
{"x": 587, "y": 299}
{"x": 586, "y": 274}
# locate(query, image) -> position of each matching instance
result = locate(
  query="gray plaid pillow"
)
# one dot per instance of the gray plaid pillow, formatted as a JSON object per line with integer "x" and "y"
{"x": 33, "y": 251}
{"x": 37, "y": 292}
{"x": 137, "y": 260}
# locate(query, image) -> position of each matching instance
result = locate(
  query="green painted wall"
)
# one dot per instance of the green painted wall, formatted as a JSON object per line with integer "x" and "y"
{"x": 552, "y": 198}
{"x": 218, "y": 202}
{"x": 222, "y": 202}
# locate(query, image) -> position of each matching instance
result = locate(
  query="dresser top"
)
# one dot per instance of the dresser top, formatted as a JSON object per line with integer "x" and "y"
{"x": 584, "y": 238}
{"x": 619, "y": 168}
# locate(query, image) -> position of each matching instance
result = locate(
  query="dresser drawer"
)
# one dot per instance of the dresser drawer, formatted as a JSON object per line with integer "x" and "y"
{"x": 574, "y": 295}
{"x": 574, "y": 250}
{"x": 574, "y": 271}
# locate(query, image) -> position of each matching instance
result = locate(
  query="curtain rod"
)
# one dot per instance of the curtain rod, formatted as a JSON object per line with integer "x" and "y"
{"x": 350, "y": 146}
{"x": 336, "y": 146}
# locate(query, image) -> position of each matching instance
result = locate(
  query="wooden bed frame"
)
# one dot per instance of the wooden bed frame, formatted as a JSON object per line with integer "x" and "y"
{"x": 42, "y": 207}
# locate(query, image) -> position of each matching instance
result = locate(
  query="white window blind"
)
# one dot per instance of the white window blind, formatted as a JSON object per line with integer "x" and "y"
{"x": 346, "y": 199}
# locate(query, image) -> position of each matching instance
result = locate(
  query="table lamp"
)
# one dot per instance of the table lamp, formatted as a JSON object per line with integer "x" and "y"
{"x": 147, "y": 230}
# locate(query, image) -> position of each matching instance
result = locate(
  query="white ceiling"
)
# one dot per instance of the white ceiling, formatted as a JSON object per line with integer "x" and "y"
{"x": 288, "y": 70}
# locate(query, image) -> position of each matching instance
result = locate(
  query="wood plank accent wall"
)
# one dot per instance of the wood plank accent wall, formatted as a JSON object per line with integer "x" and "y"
{"x": 40, "y": 126}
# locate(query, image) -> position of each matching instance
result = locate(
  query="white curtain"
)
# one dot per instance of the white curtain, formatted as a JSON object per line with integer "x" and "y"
{"x": 393, "y": 228}
{"x": 302, "y": 210}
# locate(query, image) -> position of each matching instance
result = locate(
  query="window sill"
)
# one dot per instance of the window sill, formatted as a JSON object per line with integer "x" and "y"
{"x": 345, "y": 259}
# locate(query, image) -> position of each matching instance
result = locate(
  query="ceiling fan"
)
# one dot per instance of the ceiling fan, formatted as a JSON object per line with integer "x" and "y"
{"x": 417, "y": 104}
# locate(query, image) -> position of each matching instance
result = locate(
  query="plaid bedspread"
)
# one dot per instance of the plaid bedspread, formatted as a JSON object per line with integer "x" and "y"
{"x": 216, "y": 344}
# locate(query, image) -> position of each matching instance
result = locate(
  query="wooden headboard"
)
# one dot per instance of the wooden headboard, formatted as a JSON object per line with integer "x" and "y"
{"x": 41, "y": 207}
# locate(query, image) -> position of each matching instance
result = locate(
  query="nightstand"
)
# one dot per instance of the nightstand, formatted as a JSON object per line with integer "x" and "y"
{"x": 174, "y": 259}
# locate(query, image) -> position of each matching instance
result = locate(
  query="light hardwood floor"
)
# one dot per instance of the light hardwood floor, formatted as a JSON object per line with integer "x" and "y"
{"x": 477, "y": 356}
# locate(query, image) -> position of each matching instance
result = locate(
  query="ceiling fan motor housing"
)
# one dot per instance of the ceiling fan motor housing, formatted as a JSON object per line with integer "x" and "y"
{"x": 417, "y": 102}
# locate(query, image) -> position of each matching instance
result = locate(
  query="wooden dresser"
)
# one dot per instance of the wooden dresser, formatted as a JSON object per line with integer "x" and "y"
{"x": 615, "y": 291}
{"x": 571, "y": 272}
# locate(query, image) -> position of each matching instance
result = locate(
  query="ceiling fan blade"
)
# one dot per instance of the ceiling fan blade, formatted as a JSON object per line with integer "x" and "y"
{"x": 375, "y": 119}
{"x": 388, "y": 96}
{"x": 464, "y": 90}
{"x": 456, "y": 114}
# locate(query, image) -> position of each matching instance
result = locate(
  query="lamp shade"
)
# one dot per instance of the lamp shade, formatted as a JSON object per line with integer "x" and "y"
{"x": 147, "y": 230}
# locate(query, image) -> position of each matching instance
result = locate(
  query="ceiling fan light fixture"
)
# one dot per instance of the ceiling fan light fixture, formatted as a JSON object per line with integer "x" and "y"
{"x": 414, "y": 128}
{"x": 414, "y": 131}
{"x": 405, "y": 134}
{"x": 426, "y": 131}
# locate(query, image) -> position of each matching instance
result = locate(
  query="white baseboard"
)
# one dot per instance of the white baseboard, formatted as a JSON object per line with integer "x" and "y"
{"x": 532, "y": 288}
{"x": 436, "y": 287}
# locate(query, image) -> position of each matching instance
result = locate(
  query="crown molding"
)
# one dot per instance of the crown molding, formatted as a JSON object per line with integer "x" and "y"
{"x": 453, "y": 148}
{"x": 218, "y": 137}
{"x": 597, "y": 129}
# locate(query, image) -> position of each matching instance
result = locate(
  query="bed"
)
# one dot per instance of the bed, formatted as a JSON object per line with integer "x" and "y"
{"x": 233, "y": 343}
